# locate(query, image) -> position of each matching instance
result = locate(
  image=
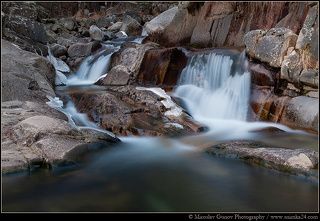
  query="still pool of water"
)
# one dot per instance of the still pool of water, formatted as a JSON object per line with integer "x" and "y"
{"x": 157, "y": 174}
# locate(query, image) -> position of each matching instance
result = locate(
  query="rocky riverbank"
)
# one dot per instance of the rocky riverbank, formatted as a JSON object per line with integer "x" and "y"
{"x": 132, "y": 99}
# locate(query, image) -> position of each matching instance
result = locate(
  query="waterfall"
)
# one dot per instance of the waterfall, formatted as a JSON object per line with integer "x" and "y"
{"x": 216, "y": 90}
{"x": 76, "y": 119}
{"x": 215, "y": 86}
{"x": 92, "y": 68}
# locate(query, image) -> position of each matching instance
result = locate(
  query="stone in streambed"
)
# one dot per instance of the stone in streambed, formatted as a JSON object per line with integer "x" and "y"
{"x": 115, "y": 27}
{"x": 296, "y": 161}
{"x": 131, "y": 26}
{"x": 58, "y": 50}
{"x": 83, "y": 49}
{"x": 118, "y": 75}
{"x": 95, "y": 33}
{"x": 19, "y": 69}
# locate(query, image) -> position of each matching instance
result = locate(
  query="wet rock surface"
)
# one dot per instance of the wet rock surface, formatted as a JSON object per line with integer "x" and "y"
{"x": 124, "y": 110}
{"x": 294, "y": 161}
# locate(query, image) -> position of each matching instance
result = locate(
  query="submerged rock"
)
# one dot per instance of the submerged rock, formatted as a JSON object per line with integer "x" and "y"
{"x": 295, "y": 161}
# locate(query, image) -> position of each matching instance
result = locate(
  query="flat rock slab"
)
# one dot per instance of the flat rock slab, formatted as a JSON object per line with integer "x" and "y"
{"x": 294, "y": 161}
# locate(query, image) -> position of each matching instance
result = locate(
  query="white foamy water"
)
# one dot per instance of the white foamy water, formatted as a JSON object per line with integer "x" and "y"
{"x": 76, "y": 119}
{"x": 92, "y": 69}
{"x": 216, "y": 91}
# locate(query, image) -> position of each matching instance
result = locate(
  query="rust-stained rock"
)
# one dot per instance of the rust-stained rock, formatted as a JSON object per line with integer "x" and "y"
{"x": 162, "y": 66}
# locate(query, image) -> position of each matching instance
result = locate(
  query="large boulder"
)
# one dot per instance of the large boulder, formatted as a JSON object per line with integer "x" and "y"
{"x": 131, "y": 56}
{"x": 308, "y": 40}
{"x": 95, "y": 33}
{"x": 115, "y": 27}
{"x": 58, "y": 50}
{"x": 118, "y": 75}
{"x": 29, "y": 10}
{"x": 67, "y": 23}
{"x": 83, "y": 49}
{"x": 104, "y": 22}
{"x": 162, "y": 67}
{"x": 25, "y": 75}
{"x": 302, "y": 112}
{"x": 42, "y": 140}
{"x": 213, "y": 24}
{"x": 261, "y": 75}
{"x": 270, "y": 47}
{"x": 294, "y": 161}
{"x": 218, "y": 24}
{"x": 159, "y": 23}
{"x": 291, "y": 66}
{"x": 27, "y": 28}
{"x": 131, "y": 26}
{"x": 310, "y": 78}
{"x": 127, "y": 110}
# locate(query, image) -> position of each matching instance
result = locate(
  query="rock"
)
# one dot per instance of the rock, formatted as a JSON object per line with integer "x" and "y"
{"x": 56, "y": 27}
{"x": 19, "y": 69}
{"x": 251, "y": 40}
{"x": 308, "y": 40}
{"x": 108, "y": 35}
{"x": 125, "y": 110}
{"x": 58, "y": 50}
{"x": 46, "y": 140}
{"x": 131, "y": 26}
{"x": 83, "y": 49}
{"x": 131, "y": 56}
{"x": 262, "y": 76}
{"x": 159, "y": 23}
{"x": 162, "y": 67}
{"x": 310, "y": 78}
{"x": 218, "y": 24}
{"x": 266, "y": 105}
{"x": 133, "y": 15}
{"x": 28, "y": 10}
{"x": 34, "y": 134}
{"x": 115, "y": 27}
{"x": 68, "y": 23}
{"x": 301, "y": 161}
{"x": 272, "y": 46}
{"x": 180, "y": 30}
{"x": 295, "y": 17}
{"x": 291, "y": 67}
{"x": 213, "y": 24}
{"x": 121, "y": 34}
{"x": 95, "y": 33}
{"x": 294, "y": 161}
{"x": 118, "y": 75}
{"x": 26, "y": 44}
{"x": 104, "y": 22}
{"x": 302, "y": 112}
{"x": 27, "y": 28}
